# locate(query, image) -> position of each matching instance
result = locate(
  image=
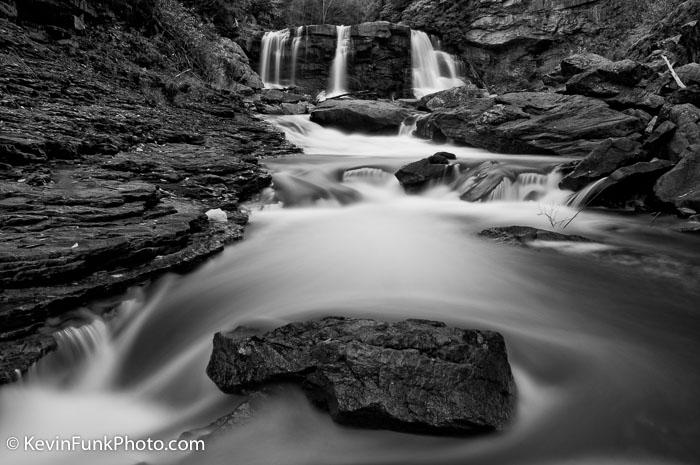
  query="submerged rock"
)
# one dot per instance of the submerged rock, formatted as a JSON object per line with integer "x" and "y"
{"x": 361, "y": 115}
{"x": 522, "y": 235}
{"x": 413, "y": 375}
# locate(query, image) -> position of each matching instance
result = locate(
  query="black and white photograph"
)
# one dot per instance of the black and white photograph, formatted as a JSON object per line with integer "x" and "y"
{"x": 349, "y": 232}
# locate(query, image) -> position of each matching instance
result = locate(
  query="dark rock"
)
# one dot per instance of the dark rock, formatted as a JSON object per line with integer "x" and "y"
{"x": 104, "y": 187}
{"x": 361, "y": 115}
{"x": 581, "y": 63}
{"x": 242, "y": 415}
{"x": 477, "y": 183}
{"x": 531, "y": 122}
{"x": 602, "y": 161}
{"x": 656, "y": 143}
{"x": 523, "y": 235}
{"x": 681, "y": 185}
{"x": 413, "y": 375}
{"x": 639, "y": 261}
{"x": 418, "y": 175}
{"x": 633, "y": 186}
{"x": 689, "y": 74}
{"x": 451, "y": 98}
{"x": 687, "y": 120}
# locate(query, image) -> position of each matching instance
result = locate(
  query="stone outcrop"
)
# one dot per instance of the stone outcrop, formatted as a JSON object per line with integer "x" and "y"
{"x": 106, "y": 171}
{"x": 370, "y": 116}
{"x": 532, "y": 123}
{"x": 413, "y": 375}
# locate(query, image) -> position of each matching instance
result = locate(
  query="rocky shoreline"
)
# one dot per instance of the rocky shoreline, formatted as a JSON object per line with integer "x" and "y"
{"x": 106, "y": 175}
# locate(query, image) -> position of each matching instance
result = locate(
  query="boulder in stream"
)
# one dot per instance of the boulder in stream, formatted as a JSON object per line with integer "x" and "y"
{"x": 418, "y": 175}
{"x": 413, "y": 375}
{"x": 372, "y": 116}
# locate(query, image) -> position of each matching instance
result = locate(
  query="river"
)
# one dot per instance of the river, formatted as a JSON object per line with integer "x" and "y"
{"x": 604, "y": 356}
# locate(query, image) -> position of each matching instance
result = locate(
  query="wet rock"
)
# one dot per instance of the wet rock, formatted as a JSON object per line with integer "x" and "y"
{"x": 602, "y": 161}
{"x": 532, "y": 122}
{"x": 418, "y": 175}
{"x": 632, "y": 187}
{"x": 451, "y": 98}
{"x": 523, "y": 235}
{"x": 413, "y": 375}
{"x": 361, "y": 115}
{"x": 243, "y": 414}
{"x": 681, "y": 185}
{"x": 645, "y": 262}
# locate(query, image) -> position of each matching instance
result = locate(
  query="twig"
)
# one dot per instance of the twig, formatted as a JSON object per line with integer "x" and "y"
{"x": 185, "y": 71}
{"x": 673, "y": 73}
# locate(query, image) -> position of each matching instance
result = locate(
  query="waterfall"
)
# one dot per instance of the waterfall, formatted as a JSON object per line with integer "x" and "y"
{"x": 428, "y": 74}
{"x": 408, "y": 126}
{"x": 587, "y": 194}
{"x": 272, "y": 55}
{"x": 296, "y": 43}
{"x": 339, "y": 71}
{"x": 75, "y": 359}
{"x": 527, "y": 186}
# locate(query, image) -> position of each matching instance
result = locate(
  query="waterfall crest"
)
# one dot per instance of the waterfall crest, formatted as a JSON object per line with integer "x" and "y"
{"x": 433, "y": 70}
{"x": 339, "y": 70}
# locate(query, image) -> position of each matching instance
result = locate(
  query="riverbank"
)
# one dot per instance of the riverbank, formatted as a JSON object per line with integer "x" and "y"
{"x": 108, "y": 164}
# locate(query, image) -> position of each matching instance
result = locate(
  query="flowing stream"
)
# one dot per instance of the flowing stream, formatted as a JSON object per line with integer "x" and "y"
{"x": 605, "y": 357}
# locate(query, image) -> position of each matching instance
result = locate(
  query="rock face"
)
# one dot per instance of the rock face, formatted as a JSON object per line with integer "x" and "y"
{"x": 106, "y": 173}
{"x": 379, "y": 59}
{"x": 512, "y": 44}
{"x": 413, "y": 375}
{"x": 531, "y": 122}
{"x": 371, "y": 116}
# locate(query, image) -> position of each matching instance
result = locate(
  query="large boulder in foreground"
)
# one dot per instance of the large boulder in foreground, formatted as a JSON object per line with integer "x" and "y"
{"x": 413, "y": 375}
{"x": 373, "y": 116}
{"x": 532, "y": 123}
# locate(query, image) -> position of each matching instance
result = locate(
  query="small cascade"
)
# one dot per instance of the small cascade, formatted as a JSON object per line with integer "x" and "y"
{"x": 367, "y": 175}
{"x": 408, "y": 126}
{"x": 273, "y": 51}
{"x": 582, "y": 198}
{"x": 296, "y": 44}
{"x": 339, "y": 70}
{"x": 526, "y": 187}
{"x": 433, "y": 70}
{"x": 74, "y": 360}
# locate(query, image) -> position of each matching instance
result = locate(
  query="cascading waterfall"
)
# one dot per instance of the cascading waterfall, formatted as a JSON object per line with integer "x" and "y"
{"x": 586, "y": 195}
{"x": 527, "y": 186}
{"x": 273, "y": 51}
{"x": 428, "y": 74}
{"x": 296, "y": 44}
{"x": 408, "y": 126}
{"x": 339, "y": 70}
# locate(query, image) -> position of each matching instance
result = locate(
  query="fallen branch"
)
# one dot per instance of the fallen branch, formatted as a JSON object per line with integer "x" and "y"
{"x": 673, "y": 72}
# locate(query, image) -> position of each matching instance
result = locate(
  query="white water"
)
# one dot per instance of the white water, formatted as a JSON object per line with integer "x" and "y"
{"x": 605, "y": 357}
{"x": 338, "y": 81}
{"x": 272, "y": 55}
{"x": 428, "y": 74}
{"x": 296, "y": 44}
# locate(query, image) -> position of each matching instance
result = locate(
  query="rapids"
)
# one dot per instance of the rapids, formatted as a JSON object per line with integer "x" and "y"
{"x": 605, "y": 358}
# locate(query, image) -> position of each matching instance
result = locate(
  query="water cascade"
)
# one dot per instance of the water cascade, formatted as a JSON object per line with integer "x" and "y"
{"x": 273, "y": 51}
{"x": 527, "y": 186}
{"x": 433, "y": 70}
{"x": 586, "y": 195}
{"x": 339, "y": 71}
{"x": 296, "y": 44}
